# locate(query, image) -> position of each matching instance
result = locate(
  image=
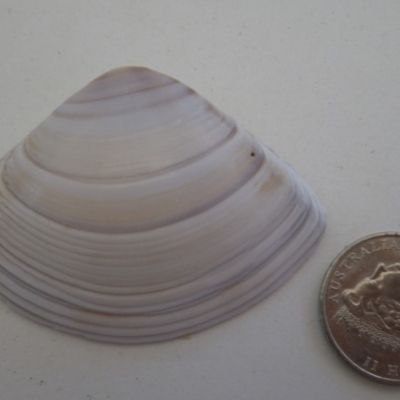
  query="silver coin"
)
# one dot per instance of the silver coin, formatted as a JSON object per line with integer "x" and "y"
{"x": 360, "y": 306}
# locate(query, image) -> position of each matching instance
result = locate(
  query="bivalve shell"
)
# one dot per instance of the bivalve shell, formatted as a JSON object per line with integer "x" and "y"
{"x": 138, "y": 212}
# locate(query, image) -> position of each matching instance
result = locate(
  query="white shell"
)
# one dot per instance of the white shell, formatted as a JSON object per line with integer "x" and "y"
{"x": 139, "y": 212}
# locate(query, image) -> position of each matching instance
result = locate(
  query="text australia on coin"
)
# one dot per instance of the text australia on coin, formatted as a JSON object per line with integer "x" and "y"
{"x": 360, "y": 306}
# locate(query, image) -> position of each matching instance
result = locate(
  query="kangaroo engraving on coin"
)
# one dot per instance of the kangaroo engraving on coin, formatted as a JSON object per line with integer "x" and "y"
{"x": 360, "y": 306}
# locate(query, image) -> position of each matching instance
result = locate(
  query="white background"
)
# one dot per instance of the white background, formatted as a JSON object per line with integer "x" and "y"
{"x": 318, "y": 81}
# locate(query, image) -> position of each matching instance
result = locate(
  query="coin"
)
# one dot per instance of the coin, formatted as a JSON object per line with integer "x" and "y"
{"x": 360, "y": 306}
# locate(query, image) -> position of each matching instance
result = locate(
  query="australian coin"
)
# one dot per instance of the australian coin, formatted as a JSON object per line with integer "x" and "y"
{"x": 360, "y": 306}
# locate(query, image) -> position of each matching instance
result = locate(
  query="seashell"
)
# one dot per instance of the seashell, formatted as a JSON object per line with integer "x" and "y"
{"x": 139, "y": 212}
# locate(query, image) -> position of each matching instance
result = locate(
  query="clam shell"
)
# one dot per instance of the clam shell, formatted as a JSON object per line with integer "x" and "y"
{"x": 138, "y": 212}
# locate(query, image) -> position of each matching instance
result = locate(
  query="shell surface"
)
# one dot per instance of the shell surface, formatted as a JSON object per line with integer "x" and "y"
{"x": 139, "y": 212}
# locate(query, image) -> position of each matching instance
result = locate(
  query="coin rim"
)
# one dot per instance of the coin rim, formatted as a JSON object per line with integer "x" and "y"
{"x": 324, "y": 319}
